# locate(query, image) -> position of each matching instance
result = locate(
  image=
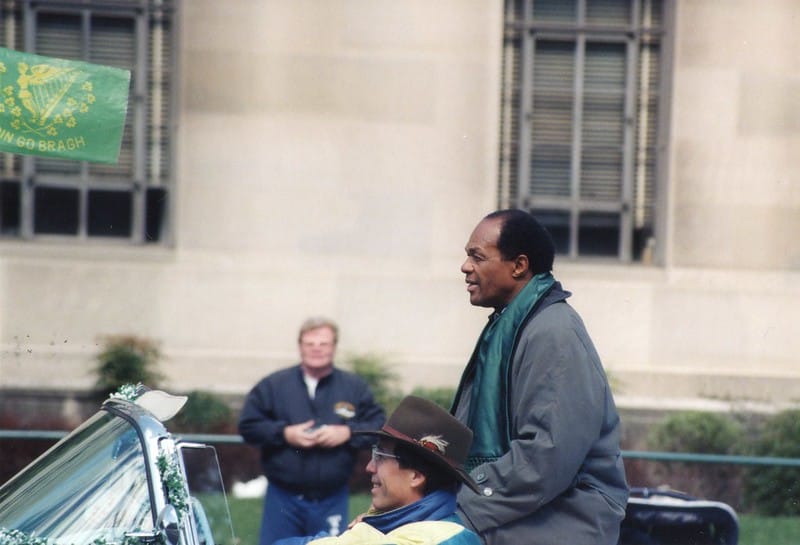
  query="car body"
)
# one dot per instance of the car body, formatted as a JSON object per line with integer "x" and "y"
{"x": 119, "y": 478}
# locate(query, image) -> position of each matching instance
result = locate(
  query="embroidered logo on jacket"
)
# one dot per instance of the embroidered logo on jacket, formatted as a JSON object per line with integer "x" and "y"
{"x": 345, "y": 409}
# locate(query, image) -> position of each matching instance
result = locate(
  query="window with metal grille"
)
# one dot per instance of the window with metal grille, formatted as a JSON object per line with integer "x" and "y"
{"x": 127, "y": 201}
{"x": 581, "y": 98}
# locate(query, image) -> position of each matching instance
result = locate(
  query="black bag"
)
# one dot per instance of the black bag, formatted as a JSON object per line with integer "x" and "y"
{"x": 666, "y": 517}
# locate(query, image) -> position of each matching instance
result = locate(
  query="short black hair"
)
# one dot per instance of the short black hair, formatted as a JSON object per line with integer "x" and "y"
{"x": 436, "y": 478}
{"x": 522, "y": 234}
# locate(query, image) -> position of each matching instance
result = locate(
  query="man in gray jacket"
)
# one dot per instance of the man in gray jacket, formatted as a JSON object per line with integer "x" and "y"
{"x": 546, "y": 446}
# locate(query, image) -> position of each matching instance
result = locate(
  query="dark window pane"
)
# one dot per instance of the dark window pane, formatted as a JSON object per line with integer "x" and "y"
{"x": 58, "y": 35}
{"x": 609, "y": 12}
{"x": 56, "y": 211}
{"x": 562, "y": 11}
{"x": 112, "y": 42}
{"x": 557, "y": 224}
{"x": 643, "y": 245}
{"x": 155, "y": 207}
{"x": 550, "y": 171}
{"x": 9, "y": 208}
{"x": 552, "y": 119}
{"x": 110, "y": 213}
{"x": 598, "y": 234}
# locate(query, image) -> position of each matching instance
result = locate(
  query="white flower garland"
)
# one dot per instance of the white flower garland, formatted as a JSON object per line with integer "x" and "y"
{"x": 16, "y": 537}
{"x": 128, "y": 392}
{"x": 172, "y": 479}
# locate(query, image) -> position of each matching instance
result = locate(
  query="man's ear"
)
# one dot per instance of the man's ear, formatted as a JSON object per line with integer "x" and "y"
{"x": 521, "y": 267}
{"x": 417, "y": 480}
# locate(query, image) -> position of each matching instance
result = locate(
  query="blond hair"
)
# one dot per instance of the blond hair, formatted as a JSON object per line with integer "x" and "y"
{"x": 317, "y": 322}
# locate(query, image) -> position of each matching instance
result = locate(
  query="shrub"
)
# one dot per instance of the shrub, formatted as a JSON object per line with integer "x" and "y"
{"x": 699, "y": 432}
{"x": 775, "y": 490}
{"x": 375, "y": 370}
{"x": 441, "y": 396}
{"x": 382, "y": 381}
{"x": 127, "y": 359}
{"x": 204, "y": 412}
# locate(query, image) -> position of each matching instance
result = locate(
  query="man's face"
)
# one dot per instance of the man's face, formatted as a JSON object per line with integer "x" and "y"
{"x": 392, "y": 486}
{"x": 489, "y": 277}
{"x": 317, "y": 347}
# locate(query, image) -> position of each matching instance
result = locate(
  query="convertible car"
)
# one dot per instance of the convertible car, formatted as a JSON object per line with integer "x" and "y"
{"x": 120, "y": 478}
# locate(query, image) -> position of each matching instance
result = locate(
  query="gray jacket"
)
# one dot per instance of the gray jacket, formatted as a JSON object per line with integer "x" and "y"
{"x": 563, "y": 480}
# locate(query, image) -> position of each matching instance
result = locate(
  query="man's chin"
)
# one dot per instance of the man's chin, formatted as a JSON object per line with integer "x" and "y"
{"x": 317, "y": 370}
{"x": 376, "y": 507}
{"x": 476, "y": 301}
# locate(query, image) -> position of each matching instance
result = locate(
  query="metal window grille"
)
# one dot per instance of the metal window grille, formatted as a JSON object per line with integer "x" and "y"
{"x": 581, "y": 90}
{"x": 127, "y": 201}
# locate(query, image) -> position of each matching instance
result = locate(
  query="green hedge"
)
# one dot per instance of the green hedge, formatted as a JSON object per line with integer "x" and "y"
{"x": 775, "y": 490}
{"x": 699, "y": 432}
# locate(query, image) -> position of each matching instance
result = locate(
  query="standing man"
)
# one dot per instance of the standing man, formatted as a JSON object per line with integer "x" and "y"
{"x": 303, "y": 418}
{"x": 546, "y": 446}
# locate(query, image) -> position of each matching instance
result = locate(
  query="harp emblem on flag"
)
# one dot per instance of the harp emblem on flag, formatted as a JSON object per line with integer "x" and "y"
{"x": 46, "y": 100}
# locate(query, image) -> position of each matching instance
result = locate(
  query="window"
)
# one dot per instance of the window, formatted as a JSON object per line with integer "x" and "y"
{"x": 581, "y": 99}
{"x": 127, "y": 201}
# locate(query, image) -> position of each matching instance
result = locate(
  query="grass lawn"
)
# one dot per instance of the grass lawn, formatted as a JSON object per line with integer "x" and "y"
{"x": 753, "y": 530}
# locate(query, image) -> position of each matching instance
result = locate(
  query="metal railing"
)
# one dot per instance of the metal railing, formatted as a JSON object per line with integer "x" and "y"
{"x": 710, "y": 458}
{"x": 628, "y": 454}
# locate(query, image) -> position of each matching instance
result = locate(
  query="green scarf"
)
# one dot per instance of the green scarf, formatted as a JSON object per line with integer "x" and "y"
{"x": 489, "y": 406}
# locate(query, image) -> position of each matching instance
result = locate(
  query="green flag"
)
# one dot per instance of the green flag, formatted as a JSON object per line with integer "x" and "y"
{"x": 60, "y": 108}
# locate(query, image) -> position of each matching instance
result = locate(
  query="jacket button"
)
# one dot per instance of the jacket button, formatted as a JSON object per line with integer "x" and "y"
{"x": 480, "y": 477}
{"x": 488, "y": 491}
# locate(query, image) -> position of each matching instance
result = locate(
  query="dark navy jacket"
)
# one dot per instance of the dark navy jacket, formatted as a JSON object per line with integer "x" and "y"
{"x": 281, "y": 399}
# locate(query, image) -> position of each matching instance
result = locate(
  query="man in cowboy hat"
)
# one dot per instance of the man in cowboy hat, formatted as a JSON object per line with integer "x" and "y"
{"x": 417, "y": 467}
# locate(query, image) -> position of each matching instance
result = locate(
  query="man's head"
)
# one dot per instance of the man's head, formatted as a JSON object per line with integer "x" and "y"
{"x": 317, "y": 343}
{"x": 505, "y": 250}
{"x": 422, "y": 448}
{"x": 400, "y": 476}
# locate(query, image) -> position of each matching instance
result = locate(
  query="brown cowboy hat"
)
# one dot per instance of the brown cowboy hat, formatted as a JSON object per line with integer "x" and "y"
{"x": 433, "y": 433}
